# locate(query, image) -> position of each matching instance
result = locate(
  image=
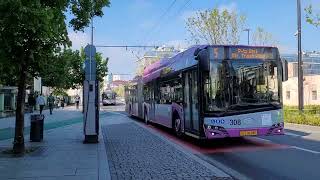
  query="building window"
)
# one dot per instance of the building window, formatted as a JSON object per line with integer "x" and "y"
{"x": 288, "y": 94}
{"x": 314, "y": 95}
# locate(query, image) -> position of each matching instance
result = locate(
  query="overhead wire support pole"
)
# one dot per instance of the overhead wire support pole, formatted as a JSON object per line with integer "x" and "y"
{"x": 91, "y": 47}
{"x": 300, "y": 70}
{"x": 90, "y": 59}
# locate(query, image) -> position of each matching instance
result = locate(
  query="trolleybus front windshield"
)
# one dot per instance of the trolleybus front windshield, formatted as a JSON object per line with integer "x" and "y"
{"x": 232, "y": 85}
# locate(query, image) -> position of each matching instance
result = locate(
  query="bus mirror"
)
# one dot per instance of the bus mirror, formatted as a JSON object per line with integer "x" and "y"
{"x": 284, "y": 70}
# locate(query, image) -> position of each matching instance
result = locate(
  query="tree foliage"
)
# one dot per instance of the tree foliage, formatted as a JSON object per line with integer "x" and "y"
{"x": 119, "y": 90}
{"x": 312, "y": 17}
{"x": 263, "y": 38}
{"x": 216, "y": 26}
{"x": 32, "y": 32}
{"x": 65, "y": 71}
{"x": 143, "y": 63}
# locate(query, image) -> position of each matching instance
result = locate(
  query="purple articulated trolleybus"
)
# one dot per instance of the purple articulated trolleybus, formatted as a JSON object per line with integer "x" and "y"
{"x": 213, "y": 91}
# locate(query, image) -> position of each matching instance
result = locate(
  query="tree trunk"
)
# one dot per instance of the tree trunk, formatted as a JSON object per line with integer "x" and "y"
{"x": 18, "y": 144}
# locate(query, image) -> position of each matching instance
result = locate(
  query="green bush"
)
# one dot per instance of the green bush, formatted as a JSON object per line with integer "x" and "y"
{"x": 309, "y": 109}
{"x": 308, "y": 117}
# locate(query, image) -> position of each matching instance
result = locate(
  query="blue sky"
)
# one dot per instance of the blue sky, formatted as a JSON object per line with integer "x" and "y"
{"x": 137, "y": 22}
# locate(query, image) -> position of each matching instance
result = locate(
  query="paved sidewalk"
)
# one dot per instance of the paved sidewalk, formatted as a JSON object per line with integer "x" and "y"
{"x": 59, "y": 118}
{"x": 58, "y": 115}
{"x": 62, "y": 156}
{"x": 305, "y": 131}
{"x": 135, "y": 152}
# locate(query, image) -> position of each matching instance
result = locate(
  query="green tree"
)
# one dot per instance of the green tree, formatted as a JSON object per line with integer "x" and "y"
{"x": 216, "y": 26}
{"x": 102, "y": 65}
{"x": 263, "y": 38}
{"x": 33, "y": 31}
{"x": 119, "y": 90}
{"x": 65, "y": 71}
{"x": 312, "y": 17}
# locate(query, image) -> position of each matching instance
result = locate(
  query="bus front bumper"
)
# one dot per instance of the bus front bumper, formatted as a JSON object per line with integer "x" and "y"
{"x": 214, "y": 132}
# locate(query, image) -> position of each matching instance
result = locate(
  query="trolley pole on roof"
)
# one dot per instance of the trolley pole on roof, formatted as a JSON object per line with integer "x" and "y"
{"x": 300, "y": 70}
{"x": 248, "y": 30}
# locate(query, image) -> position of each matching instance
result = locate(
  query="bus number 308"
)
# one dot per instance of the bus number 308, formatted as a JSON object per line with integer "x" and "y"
{"x": 235, "y": 122}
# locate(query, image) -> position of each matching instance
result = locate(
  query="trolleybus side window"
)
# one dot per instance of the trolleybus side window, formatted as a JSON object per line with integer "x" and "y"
{"x": 171, "y": 91}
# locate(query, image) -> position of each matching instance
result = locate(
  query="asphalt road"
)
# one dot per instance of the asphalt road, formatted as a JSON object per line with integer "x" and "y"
{"x": 295, "y": 155}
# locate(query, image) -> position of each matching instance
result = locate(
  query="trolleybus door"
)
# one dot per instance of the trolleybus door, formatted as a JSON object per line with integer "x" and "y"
{"x": 191, "y": 105}
{"x": 152, "y": 101}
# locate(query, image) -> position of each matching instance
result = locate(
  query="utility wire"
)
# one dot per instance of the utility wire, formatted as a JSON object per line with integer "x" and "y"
{"x": 154, "y": 27}
{"x": 178, "y": 12}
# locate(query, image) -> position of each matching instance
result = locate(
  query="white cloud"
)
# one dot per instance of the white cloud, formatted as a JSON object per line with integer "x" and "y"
{"x": 79, "y": 39}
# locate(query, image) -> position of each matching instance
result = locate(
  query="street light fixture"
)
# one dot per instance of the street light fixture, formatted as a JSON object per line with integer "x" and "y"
{"x": 248, "y": 30}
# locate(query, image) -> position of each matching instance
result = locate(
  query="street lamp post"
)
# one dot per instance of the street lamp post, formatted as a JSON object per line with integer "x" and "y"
{"x": 248, "y": 30}
{"x": 300, "y": 70}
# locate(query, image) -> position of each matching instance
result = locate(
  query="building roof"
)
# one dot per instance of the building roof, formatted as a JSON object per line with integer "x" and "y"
{"x": 119, "y": 82}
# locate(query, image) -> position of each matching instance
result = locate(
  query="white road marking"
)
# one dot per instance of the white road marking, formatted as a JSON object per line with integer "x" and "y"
{"x": 307, "y": 150}
{"x": 292, "y": 134}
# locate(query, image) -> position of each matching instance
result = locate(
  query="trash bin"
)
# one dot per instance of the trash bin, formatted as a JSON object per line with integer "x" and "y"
{"x": 36, "y": 127}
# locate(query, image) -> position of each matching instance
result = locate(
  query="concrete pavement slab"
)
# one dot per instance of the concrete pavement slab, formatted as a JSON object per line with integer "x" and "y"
{"x": 62, "y": 155}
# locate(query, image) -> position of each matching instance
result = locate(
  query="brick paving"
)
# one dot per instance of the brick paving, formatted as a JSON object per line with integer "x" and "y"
{"x": 135, "y": 153}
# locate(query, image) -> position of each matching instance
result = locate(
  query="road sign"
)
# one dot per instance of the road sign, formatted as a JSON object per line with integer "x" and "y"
{"x": 89, "y": 48}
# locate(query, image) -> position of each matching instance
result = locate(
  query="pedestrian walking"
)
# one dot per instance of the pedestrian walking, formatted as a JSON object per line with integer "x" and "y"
{"x": 51, "y": 103}
{"x": 31, "y": 102}
{"x": 77, "y": 99}
{"x": 41, "y": 102}
{"x": 62, "y": 102}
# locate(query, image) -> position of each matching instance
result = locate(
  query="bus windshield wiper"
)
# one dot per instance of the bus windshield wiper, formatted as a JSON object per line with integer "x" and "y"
{"x": 246, "y": 106}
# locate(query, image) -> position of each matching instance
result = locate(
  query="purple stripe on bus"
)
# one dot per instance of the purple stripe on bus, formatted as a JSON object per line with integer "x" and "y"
{"x": 164, "y": 120}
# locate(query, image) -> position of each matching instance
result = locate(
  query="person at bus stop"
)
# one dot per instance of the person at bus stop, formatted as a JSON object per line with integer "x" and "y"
{"x": 51, "y": 103}
{"x": 41, "y": 102}
{"x": 77, "y": 100}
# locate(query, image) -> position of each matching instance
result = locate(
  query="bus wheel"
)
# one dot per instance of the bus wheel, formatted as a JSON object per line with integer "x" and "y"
{"x": 177, "y": 127}
{"x": 146, "y": 117}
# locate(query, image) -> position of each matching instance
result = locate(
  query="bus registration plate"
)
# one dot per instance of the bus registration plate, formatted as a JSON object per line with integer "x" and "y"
{"x": 249, "y": 133}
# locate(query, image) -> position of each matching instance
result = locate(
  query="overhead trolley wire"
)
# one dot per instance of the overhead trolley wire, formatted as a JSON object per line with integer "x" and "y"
{"x": 176, "y": 14}
{"x": 186, "y": 3}
{"x": 157, "y": 23}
